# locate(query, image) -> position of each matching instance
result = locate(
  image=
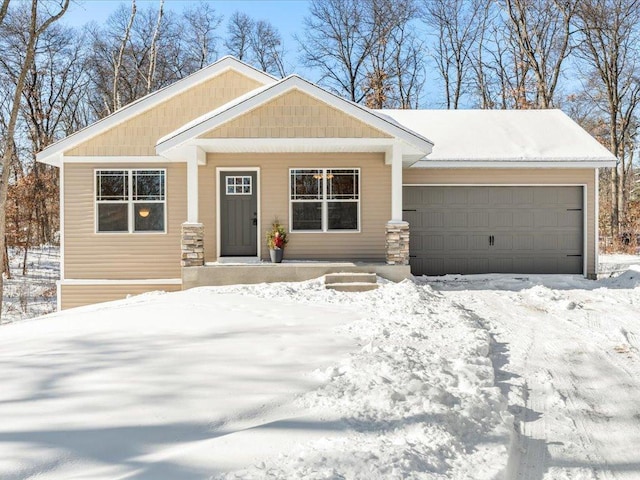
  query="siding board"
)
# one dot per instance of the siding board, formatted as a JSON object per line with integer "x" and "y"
{"x": 138, "y": 136}
{"x": 80, "y": 295}
{"x": 115, "y": 256}
{"x": 295, "y": 115}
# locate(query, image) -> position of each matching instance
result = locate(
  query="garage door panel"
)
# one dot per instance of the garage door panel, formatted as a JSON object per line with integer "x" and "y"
{"x": 478, "y": 218}
{"x": 535, "y": 229}
{"x": 523, "y": 219}
{"x": 456, "y": 220}
{"x": 501, "y": 219}
{"x": 457, "y": 197}
{"x": 433, "y": 219}
{"x": 479, "y": 242}
{"x": 523, "y": 196}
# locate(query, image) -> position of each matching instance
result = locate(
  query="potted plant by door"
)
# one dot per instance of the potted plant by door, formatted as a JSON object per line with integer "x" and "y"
{"x": 276, "y": 241}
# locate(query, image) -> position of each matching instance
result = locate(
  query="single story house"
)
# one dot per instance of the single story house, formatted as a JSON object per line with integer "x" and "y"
{"x": 160, "y": 193}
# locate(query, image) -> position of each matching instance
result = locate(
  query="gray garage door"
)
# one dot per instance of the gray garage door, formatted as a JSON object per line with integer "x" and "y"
{"x": 494, "y": 229}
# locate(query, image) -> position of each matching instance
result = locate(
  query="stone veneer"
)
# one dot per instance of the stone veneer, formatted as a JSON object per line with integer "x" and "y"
{"x": 397, "y": 243}
{"x": 192, "y": 245}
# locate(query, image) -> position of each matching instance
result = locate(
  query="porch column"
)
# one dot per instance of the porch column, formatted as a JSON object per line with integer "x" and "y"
{"x": 396, "y": 183}
{"x": 396, "y": 230}
{"x": 192, "y": 238}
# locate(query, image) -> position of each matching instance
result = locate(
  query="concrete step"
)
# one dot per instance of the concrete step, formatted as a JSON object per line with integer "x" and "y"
{"x": 347, "y": 277}
{"x": 352, "y": 286}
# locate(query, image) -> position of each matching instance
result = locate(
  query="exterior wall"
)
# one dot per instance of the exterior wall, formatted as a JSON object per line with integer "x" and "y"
{"x": 518, "y": 176}
{"x": 375, "y": 203}
{"x": 79, "y": 295}
{"x": 295, "y": 115}
{"x": 91, "y": 255}
{"x": 138, "y": 136}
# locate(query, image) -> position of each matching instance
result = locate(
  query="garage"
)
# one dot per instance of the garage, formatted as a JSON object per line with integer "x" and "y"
{"x": 495, "y": 229}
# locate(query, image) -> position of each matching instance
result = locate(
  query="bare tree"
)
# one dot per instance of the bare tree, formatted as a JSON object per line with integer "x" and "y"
{"x": 153, "y": 51}
{"x": 3, "y": 9}
{"x": 239, "y": 30}
{"x": 202, "y": 22}
{"x": 35, "y": 23}
{"x": 610, "y": 35}
{"x": 117, "y": 61}
{"x": 266, "y": 47}
{"x": 542, "y": 29}
{"x": 457, "y": 26}
{"x": 337, "y": 42}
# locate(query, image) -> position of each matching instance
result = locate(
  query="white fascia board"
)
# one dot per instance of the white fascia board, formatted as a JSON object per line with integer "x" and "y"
{"x": 426, "y": 163}
{"x": 261, "y": 96}
{"x": 149, "y": 101}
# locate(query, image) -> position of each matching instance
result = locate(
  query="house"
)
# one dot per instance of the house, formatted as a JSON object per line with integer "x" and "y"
{"x": 159, "y": 194}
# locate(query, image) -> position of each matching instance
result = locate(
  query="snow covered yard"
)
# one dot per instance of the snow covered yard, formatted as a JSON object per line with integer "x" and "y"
{"x": 266, "y": 381}
{"x": 33, "y": 294}
{"x": 566, "y": 352}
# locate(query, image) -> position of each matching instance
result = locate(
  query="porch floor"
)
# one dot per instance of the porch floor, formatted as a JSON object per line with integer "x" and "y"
{"x": 251, "y": 270}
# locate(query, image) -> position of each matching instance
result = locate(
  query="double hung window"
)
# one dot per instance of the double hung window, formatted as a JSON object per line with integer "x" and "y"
{"x": 325, "y": 199}
{"x": 130, "y": 201}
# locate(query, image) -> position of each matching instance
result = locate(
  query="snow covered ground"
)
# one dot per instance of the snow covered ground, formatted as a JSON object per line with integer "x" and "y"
{"x": 416, "y": 380}
{"x": 566, "y": 352}
{"x": 33, "y": 294}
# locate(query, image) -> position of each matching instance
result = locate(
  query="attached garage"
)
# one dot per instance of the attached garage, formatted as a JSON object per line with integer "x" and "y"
{"x": 495, "y": 229}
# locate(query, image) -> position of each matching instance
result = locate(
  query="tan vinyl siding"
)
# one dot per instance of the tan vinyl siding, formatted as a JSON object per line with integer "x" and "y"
{"x": 375, "y": 203}
{"x": 295, "y": 114}
{"x": 79, "y": 295}
{"x": 138, "y": 136}
{"x": 517, "y": 176}
{"x": 91, "y": 255}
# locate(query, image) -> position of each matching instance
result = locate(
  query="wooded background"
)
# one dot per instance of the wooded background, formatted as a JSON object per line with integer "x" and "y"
{"x": 582, "y": 56}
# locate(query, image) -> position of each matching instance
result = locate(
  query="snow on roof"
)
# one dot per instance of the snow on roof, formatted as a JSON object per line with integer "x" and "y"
{"x": 503, "y": 135}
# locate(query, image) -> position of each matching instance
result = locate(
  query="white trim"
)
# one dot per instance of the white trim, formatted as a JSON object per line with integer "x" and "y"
{"x": 192, "y": 190}
{"x": 396, "y": 183}
{"x": 99, "y": 281}
{"x": 512, "y": 163}
{"x": 325, "y": 210}
{"x": 61, "y": 215}
{"x": 130, "y": 203}
{"x": 584, "y": 203}
{"x": 128, "y": 159}
{"x": 260, "y": 96}
{"x": 258, "y": 206}
{"x": 49, "y": 154}
{"x": 596, "y": 238}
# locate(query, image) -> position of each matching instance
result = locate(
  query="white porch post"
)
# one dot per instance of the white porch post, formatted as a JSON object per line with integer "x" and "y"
{"x": 397, "y": 230}
{"x": 396, "y": 183}
{"x": 192, "y": 185}
{"x": 192, "y": 230}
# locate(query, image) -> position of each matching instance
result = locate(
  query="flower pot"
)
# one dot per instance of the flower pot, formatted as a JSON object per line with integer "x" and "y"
{"x": 276, "y": 255}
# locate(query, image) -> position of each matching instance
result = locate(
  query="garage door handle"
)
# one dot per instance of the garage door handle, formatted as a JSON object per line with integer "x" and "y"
{"x": 492, "y": 240}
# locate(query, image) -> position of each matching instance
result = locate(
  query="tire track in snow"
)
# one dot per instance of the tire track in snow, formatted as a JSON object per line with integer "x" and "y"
{"x": 572, "y": 391}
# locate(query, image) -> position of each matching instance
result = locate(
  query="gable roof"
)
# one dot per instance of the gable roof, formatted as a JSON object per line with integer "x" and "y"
{"x": 51, "y": 154}
{"x": 508, "y": 137}
{"x": 260, "y": 96}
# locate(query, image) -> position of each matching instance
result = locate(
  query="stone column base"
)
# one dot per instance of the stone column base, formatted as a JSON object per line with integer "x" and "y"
{"x": 397, "y": 243}
{"x": 192, "y": 245}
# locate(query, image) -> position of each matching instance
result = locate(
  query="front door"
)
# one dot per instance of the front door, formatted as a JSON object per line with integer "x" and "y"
{"x": 238, "y": 213}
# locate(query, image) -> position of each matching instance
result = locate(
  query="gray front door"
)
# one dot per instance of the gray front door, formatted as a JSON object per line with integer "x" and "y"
{"x": 494, "y": 229}
{"x": 238, "y": 213}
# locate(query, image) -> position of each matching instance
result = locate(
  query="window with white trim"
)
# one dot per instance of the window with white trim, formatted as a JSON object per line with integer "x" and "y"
{"x": 325, "y": 199}
{"x": 130, "y": 201}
